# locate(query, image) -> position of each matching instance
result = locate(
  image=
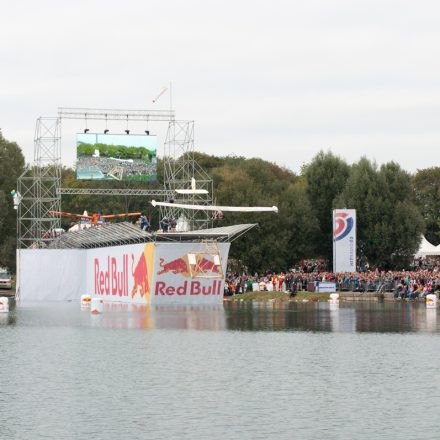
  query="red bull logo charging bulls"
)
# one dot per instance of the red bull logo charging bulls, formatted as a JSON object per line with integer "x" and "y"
{"x": 140, "y": 276}
{"x": 181, "y": 266}
{"x": 156, "y": 273}
{"x": 113, "y": 277}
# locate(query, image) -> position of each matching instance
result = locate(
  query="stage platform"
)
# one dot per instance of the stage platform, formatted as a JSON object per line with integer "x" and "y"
{"x": 121, "y": 263}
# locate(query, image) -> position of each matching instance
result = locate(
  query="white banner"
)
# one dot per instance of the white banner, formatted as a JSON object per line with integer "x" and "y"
{"x": 51, "y": 274}
{"x": 158, "y": 273}
{"x": 189, "y": 273}
{"x": 120, "y": 273}
{"x": 325, "y": 286}
{"x": 146, "y": 273}
{"x": 344, "y": 240}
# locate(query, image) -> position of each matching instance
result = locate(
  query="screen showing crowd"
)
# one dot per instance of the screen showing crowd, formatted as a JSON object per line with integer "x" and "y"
{"x": 116, "y": 157}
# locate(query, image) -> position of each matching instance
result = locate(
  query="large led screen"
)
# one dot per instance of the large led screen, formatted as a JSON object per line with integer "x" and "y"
{"x": 116, "y": 157}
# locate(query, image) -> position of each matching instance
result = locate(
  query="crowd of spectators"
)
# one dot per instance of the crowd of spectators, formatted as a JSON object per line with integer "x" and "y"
{"x": 105, "y": 165}
{"x": 410, "y": 284}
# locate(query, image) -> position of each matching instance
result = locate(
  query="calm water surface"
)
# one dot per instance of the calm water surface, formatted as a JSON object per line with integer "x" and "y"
{"x": 238, "y": 371}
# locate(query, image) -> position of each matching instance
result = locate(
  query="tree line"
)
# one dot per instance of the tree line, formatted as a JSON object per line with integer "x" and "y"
{"x": 393, "y": 206}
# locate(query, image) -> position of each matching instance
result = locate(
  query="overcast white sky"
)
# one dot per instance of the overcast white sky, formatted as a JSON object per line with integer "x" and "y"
{"x": 278, "y": 80}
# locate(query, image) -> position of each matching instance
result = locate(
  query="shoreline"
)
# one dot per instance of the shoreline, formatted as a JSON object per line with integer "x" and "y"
{"x": 316, "y": 297}
{"x": 299, "y": 297}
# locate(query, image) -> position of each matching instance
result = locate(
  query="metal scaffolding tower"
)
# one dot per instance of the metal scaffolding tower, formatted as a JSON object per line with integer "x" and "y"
{"x": 40, "y": 185}
{"x": 180, "y": 167}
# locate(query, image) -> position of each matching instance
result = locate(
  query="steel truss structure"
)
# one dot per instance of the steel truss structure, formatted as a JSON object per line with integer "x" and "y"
{"x": 40, "y": 185}
{"x": 162, "y": 193}
{"x": 102, "y": 114}
{"x": 180, "y": 167}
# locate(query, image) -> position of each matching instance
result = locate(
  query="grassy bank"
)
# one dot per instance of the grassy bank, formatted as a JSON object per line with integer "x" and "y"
{"x": 279, "y": 296}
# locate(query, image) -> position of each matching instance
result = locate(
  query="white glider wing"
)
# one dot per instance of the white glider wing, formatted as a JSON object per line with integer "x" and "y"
{"x": 191, "y": 191}
{"x": 218, "y": 208}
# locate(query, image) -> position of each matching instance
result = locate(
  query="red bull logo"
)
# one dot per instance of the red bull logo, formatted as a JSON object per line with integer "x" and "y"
{"x": 194, "y": 274}
{"x": 109, "y": 280}
{"x": 188, "y": 288}
{"x": 208, "y": 266}
{"x": 140, "y": 276}
{"x": 181, "y": 266}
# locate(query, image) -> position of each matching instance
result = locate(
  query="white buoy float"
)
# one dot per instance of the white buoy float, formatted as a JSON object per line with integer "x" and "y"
{"x": 4, "y": 304}
{"x": 85, "y": 300}
{"x": 96, "y": 306}
{"x": 431, "y": 300}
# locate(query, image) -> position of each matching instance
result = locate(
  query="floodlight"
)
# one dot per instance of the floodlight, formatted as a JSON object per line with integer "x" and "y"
{"x": 106, "y": 131}
{"x": 86, "y": 130}
{"x": 127, "y": 131}
{"x": 147, "y": 132}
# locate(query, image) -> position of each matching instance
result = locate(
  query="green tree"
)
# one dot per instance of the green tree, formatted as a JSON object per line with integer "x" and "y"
{"x": 389, "y": 224}
{"x": 11, "y": 166}
{"x": 426, "y": 185}
{"x": 326, "y": 177}
{"x": 280, "y": 240}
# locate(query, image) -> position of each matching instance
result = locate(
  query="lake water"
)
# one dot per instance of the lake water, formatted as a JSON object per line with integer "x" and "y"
{"x": 237, "y": 371}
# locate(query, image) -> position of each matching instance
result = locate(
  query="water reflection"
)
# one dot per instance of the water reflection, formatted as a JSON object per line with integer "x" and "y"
{"x": 170, "y": 317}
{"x": 431, "y": 319}
{"x": 240, "y": 315}
{"x": 336, "y": 317}
{"x": 7, "y": 318}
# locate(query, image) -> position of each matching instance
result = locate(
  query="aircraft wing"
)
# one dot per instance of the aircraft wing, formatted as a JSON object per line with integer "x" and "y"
{"x": 69, "y": 214}
{"x": 218, "y": 208}
{"x": 131, "y": 214}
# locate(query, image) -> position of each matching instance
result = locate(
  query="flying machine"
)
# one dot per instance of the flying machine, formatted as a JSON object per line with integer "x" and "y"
{"x": 86, "y": 220}
{"x": 215, "y": 208}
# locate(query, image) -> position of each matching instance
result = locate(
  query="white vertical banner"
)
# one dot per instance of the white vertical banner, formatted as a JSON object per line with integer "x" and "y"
{"x": 344, "y": 240}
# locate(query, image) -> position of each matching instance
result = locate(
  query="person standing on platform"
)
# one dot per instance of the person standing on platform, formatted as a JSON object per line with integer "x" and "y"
{"x": 145, "y": 224}
{"x": 165, "y": 224}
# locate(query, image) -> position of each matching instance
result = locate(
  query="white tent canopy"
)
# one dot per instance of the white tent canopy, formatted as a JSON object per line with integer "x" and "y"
{"x": 426, "y": 249}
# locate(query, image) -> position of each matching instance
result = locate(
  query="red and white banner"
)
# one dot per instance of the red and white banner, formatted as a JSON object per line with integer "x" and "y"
{"x": 158, "y": 273}
{"x": 184, "y": 273}
{"x": 344, "y": 240}
{"x": 119, "y": 273}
